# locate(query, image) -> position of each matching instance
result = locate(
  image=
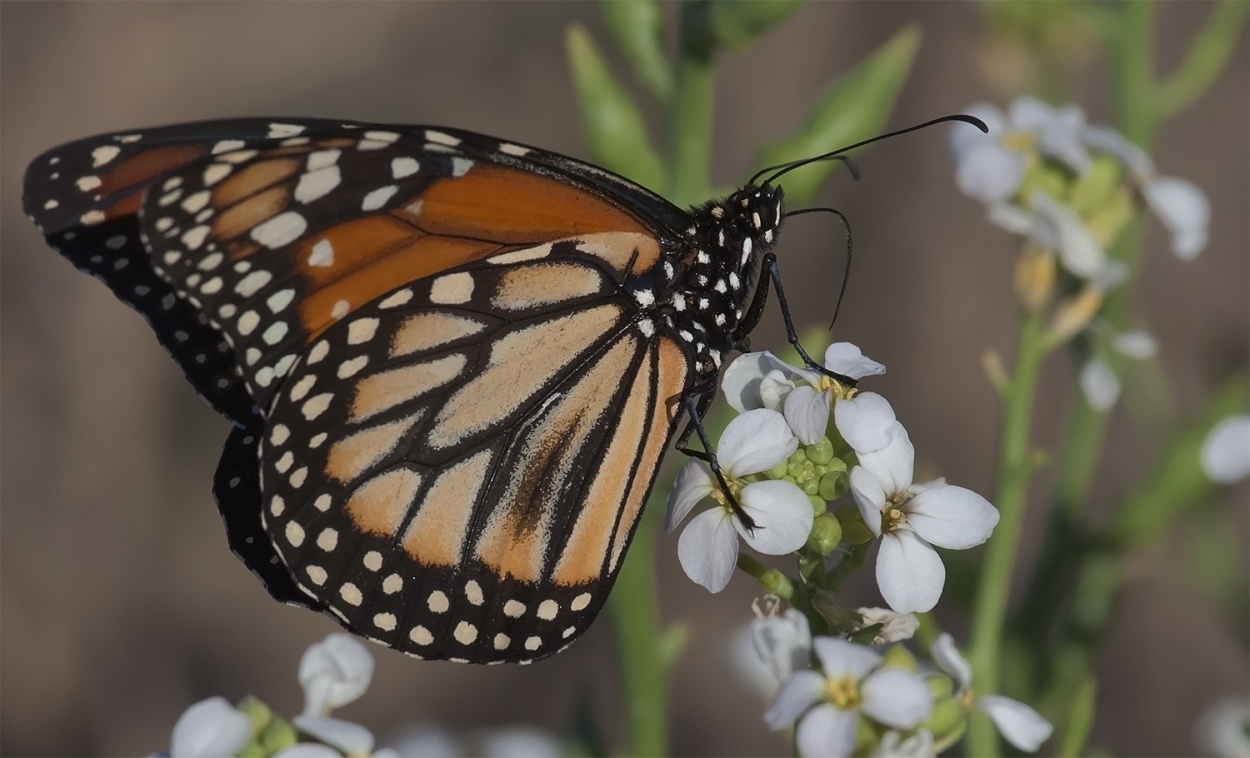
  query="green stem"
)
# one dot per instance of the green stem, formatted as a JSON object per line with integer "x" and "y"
{"x": 690, "y": 124}
{"x": 1015, "y": 468}
{"x": 636, "y": 619}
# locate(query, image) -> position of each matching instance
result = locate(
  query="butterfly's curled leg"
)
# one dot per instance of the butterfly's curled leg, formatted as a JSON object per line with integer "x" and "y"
{"x": 769, "y": 264}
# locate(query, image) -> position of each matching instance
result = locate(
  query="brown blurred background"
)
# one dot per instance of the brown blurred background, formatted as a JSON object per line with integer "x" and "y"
{"x": 121, "y": 604}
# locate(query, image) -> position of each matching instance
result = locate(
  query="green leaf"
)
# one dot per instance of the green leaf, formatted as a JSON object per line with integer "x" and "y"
{"x": 637, "y": 27}
{"x": 854, "y": 108}
{"x": 613, "y": 125}
{"x": 736, "y": 23}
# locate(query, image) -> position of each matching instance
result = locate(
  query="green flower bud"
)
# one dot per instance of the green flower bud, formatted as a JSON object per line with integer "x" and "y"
{"x": 1096, "y": 186}
{"x": 256, "y": 710}
{"x": 946, "y": 720}
{"x": 834, "y": 484}
{"x": 821, "y": 451}
{"x": 940, "y": 686}
{"x": 854, "y": 532}
{"x": 777, "y": 583}
{"x": 278, "y": 734}
{"x": 826, "y": 534}
{"x": 899, "y": 657}
{"x": 778, "y": 471}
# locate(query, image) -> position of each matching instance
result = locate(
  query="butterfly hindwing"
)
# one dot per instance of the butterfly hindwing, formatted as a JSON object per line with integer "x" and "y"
{"x": 424, "y": 478}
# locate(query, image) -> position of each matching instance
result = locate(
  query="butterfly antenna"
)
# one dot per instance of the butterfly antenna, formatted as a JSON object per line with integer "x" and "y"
{"x": 781, "y": 169}
{"x": 846, "y": 271}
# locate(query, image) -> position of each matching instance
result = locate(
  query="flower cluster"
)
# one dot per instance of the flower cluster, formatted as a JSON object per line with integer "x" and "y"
{"x": 802, "y": 439}
{"x": 844, "y": 698}
{"x": 1068, "y": 188}
{"x": 332, "y": 673}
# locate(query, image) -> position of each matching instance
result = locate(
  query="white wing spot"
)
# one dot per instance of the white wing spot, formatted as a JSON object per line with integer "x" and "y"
{"x": 402, "y": 167}
{"x": 280, "y": 230}
{"x": 465, "y": 633}
{"x": 195, "y": 237}
{"x": 372, "y": 560}
{"x": 580, "y": 602}
{"x": 195, "y": 203}
{"x": 647, "y": 327}
{"x": 252, "y": 356}
{"x": 473, "y": 591}
{"x": 328, "y": 539}
{"x": 52, "y": 204}
{"x": 460, "y": 166}
{"x": 284, "y": 462}
{"x": 248, "y": 322}
{"x": 213, "y": 286}
{"x": 340, "y": 309}
{"x": 317, "y": 405}
{"x": 298, "y": 477}
{"x": 378, "y": 197}
{"x": 226, "y": 145}
{"x": 322, "y": 254}
{"x": 277, "y": 506}
{"x": 348, "y": 369}
{"x": 533, "y": 643}
{"x": 351, "y": 594}
{"x": 316, "y": 442}
{"x": 441, "y": 138}
{"x": 361, "y": 331}
{"x": 274, "y": 333}
{"x": 318, "y": 352}
{"x": 502, "y": 641}
{"x": 251, "y": 283}
{"x": 90, "y": 218}
{"x": 104, "y": 154}
{"x": 452, "y": 289}
{"x": 402, "y": 297}
{"x": 438, "y": 602}
{"x": 278, "y": 130}
{"x": 392, "y": 584}
{"x": 280, "y": 300}
{"x": 569, "y": 632}
{"x": 88, "y": 183}
{"x": 216, "y": 172}
{"x": 317, "y": 184}
{"x": 507, "y": 148}
{"x": 294, "y": 534}
{"x": 210, "y": 261}
{"x": 420, "y": 635}
{"x": 317, "y": 575}
{"x": 279, "y": 434}
{"x": 513, "y": 609}
{"x": 385, "y": 621}
{"x": 547, "y": 609}
{"x": 322, "y": 503}
{"x": 300, "y": 389}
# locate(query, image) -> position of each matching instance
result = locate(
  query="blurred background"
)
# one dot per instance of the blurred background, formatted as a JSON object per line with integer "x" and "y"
{"x": 120, "y": 604}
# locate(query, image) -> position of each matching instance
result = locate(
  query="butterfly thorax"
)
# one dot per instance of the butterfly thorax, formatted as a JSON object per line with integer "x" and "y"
{"x": 702, "y": 292}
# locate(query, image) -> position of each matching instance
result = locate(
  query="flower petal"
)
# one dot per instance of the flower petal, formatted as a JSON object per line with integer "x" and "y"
{"x": 693, "y": 483}
{"x": 708, "y": 549}
{"x": 1058, "y": 130}
{"x": 349, "y": 737}
{"x": 774, "y": 389}
{"x": 1012, "y": 218}
{"x": 826, "y": 732}
{"x": 782, "y": 514}
{"x": 962, "y": 137}
{"x": 910, "y": 574}
{"x": 796, "y": 695}
{"x": 1061, "y": 229}
{"x": 783, "y": 643}
{"x": 755, "y": 441}
{"x": 1184, "y": 210}
{"x": 869, "y": 498}
{"x": 1099, "y": 384}
{"x": 1138, "y": 343}
{"x": 308, "y": 750}
{"x": 1019, "y": 724}
{"x": 807, "y": 412}
{"x": 948, "y": 658}
{"x": 919, "y": 745}
{"x": 840, "y": 658}
{"x": 741, "y": 380}
{"x": 895, "y": 627}
{"x": 847, "y": 359}
{"x": 864, "y": 421}
{"x": 334, "y": 672}
{"x": 951, "y": 517}
{"x": 989, "y": 172}
{"x": 893, "y": 464}
{"x": 520, "y": 742}
{"x": 896, "y": 698}
{"x": 210, "y": 728}
{"x": 1226, "y": 451}
{"x": 1113, "y": 143}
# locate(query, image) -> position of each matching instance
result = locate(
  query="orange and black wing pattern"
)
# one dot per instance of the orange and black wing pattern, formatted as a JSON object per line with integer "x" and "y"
{"x": 454, "y": 361}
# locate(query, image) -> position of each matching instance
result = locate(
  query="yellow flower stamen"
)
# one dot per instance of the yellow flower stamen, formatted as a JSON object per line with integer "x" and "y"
{"x": 844, "y": 693}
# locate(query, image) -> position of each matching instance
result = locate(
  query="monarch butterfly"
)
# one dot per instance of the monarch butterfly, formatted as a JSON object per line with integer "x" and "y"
{"x": 453, "y": 362}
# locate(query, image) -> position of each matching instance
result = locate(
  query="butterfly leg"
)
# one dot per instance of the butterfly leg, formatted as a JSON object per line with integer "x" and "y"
{"x": 696, "y": 401}
{"x": 769, "y": 264}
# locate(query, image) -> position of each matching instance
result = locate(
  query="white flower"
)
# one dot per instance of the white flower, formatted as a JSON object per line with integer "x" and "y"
{"x": 1226, "y": 450}
{"x": 519, "y": 741}
{"x": 210, "y": 728}
{"x": 894, "y": 745}
{"x": 895, "y": 627}
{"x": 989, "y": 167}
{"x": 1138, "y": 344}
{"x": 1179, "y": 204}
{"x": 1019, "y": 724}
{"x": 1054, "y": 226}
{"x": 909, "y": 519}
{"x": 347, "y": 737}
{"x": 1099, "y": 384}
{"x": 708, "y": 548}
{"x": 827, "y": 705}
{"x": 1223, "y": 728}
{"x": 757, "y": 380}
{"x": 333, "y": 673}
{"x": 783, "y": 642}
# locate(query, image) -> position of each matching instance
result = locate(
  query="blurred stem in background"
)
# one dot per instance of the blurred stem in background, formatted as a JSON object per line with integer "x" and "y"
{"x": 1076, "y": 584}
